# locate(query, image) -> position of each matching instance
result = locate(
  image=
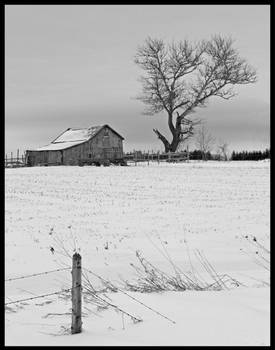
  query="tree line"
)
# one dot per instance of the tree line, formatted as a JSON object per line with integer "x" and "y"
{"x": 243, "y": 155}
{"x": 198, "y": 154}
{"x": 252, "y": 155}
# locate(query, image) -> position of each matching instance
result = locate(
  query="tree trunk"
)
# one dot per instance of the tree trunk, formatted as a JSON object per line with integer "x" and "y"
{"x": 175, "y": 143}
{"x": 163, "y": 139}
{"x": 169, "y": 147}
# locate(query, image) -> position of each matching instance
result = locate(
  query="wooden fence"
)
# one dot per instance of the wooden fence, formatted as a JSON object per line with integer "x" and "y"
{"x": 15, "y": 160}
{"x": 173, "y": 157}
{"x": 76, "y": 292}
{"x": 19, "y": 160}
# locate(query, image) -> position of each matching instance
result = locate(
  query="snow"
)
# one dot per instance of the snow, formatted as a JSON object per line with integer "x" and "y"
{"x": 58, "y": 146}
{"x": 208, "y": 206}
{"x": 237, "y": 317}
{"x": 70, "y": 138}
{"x": 77, "y": 134}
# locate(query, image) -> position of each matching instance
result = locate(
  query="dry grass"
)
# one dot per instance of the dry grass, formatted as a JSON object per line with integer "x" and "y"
{"x": 152, "y": 279}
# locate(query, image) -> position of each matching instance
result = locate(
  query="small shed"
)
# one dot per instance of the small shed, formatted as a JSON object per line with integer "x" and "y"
{"x": 97, "y": 144}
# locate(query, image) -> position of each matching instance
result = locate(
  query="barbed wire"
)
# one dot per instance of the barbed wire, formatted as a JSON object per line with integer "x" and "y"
{"x": 69, "y": 289}
{"x": 35, "y": 274}
{"x": 130, "y": 296}
{"x": 115, "y": 306}
{"x": 40, "y": 296}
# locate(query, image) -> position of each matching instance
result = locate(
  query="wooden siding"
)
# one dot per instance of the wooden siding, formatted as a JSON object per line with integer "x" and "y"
{"x": 98, "y": 148}
{"x": 43, "y": 157}
{"x": 105, "y": 145}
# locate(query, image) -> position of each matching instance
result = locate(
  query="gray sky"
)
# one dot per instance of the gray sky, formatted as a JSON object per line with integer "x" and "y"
{"x": 72, "y": 66}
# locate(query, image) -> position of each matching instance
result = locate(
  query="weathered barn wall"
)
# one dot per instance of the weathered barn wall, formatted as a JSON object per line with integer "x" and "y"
{"x": 99, "y": 147}
{"x": 54, "y": 157}
{"x": 43, "y": 157}
{"x": 107, "y": 145}
{"x": 36, "y": 157}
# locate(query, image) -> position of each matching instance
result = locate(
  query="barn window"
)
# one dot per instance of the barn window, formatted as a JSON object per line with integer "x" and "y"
{"x": 90, "y": 155}
{"x": 106, "y": 133}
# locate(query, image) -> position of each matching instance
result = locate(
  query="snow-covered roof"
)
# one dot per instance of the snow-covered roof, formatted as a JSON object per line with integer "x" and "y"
{"x": 81, "y": 135}
{"x": 58, "y": 146}
{"x": 72, "y": 137}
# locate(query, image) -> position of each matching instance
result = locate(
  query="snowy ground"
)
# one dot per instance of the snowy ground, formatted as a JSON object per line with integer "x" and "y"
{"x": 109, "y": 213}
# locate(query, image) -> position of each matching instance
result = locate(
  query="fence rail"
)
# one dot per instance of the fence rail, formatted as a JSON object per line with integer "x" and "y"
{"x": 15, "y": 161}
{"x": 19, "y": 160}
{"x": 138, "y": 156}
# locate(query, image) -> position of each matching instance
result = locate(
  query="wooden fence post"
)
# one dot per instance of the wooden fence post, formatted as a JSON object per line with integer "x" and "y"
{"x": 76, "y": 295}
{"x": 11, "y": 158}
{"x": 148, "y": 158}
{"x": 158, "y": 157}
{"x": 17, "y": 156}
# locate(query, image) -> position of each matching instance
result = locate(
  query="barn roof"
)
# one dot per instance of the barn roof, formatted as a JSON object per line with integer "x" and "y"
{"x": 72, "y": 137}
{"x": 75, "y": 135}
{"x": 58, "y": 146}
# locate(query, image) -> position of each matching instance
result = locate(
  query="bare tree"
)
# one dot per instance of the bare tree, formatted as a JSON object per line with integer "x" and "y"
{"x": 223, "y": 149}
{"x": 181, "y": 77}
{"x": 204, "y": 141}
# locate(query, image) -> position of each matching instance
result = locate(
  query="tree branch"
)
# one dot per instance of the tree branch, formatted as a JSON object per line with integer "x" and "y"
{"x": 180, "y": 78}
{"x": 163, "y": 139}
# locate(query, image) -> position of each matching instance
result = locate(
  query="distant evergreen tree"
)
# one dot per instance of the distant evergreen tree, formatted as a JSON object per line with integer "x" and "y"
{"x": 252, "y": 155}
{"x": 196, "y": 155}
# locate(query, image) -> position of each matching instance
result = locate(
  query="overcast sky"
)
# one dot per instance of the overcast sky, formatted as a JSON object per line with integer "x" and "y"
{"x": 72, "y": 66}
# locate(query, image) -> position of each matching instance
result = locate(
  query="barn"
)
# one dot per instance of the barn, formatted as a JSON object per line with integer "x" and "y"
{"x": 94, "y": 145}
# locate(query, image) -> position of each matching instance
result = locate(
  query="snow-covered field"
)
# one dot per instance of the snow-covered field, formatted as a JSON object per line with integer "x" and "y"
{"x": 110, "y": 212}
